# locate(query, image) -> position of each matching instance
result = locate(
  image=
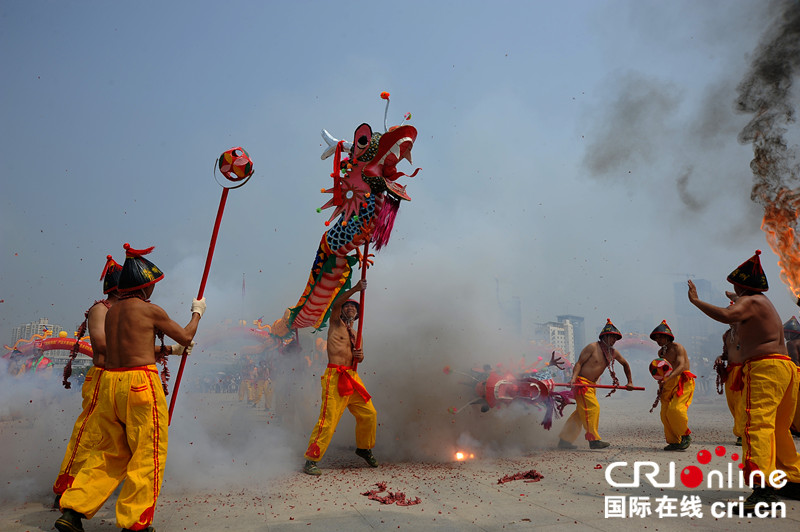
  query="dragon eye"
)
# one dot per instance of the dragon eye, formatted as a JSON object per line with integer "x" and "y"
{"x": 363, "y": 141}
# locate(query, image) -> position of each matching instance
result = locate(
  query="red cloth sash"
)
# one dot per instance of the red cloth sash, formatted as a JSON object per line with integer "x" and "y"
{"x": 686, "y": 376}
{"x": 581, "y": 390}
{"x": 347, "y": 384}
{"x": 151, "y": 369}
{"x": 768, "y": 357}
{"x": 738, "y": 381}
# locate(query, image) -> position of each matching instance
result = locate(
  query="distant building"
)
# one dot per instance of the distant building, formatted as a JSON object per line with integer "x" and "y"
{"x": 26, "y": 331}
{"x": 578, "y": 329}
{"x": 560, "y": 334}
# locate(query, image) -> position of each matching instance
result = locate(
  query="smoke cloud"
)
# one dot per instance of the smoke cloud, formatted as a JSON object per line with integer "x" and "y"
{"x": 770, "y": 94}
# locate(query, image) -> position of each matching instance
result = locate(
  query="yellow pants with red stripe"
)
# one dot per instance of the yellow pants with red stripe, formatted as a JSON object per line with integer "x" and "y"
{"x": 676, "y": 396}
{"x": 331, "y": 410}
{"x": 129, "y": 442}
{"x": 734, "y": 398}
{"x": 75, "y": 455}
{"x": 586, "y": 414}
{"x": 769, "y": 402}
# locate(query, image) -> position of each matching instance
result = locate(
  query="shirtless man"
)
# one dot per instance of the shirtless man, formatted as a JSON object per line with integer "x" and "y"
{"x": 593, "y": 361}
{"x": 130, "y": 427}
{"x": 676, "y": 390}
{"x": 95, "y": 320}
{"x": 769, "y": 380}
{"x": 730, "y": 364}
{"x": 791, "y": 332}
{"x": 342, "y": 387}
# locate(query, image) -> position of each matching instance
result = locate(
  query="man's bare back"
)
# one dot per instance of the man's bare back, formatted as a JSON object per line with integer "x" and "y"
{"x": 761, "y": 332}
{"x": 96, "y": 320}
{"x": 130, "y": 329}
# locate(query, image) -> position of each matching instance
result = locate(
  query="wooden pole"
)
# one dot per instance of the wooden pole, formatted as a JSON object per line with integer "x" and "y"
{"x": 210, "y": 255}
{"x": 359, "y": 333}
{"x": 606, "y": 386}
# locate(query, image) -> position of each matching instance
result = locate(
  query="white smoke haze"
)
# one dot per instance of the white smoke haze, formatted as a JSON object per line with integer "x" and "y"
{"x": 36, "y": 419}
{"x": 580, "y": 172}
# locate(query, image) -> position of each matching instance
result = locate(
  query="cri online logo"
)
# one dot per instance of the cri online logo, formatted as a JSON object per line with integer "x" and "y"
{"x": 692, "y": 476}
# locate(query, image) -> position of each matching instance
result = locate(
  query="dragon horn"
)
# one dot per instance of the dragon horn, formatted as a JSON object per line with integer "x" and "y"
{"x": 332, "y": 142}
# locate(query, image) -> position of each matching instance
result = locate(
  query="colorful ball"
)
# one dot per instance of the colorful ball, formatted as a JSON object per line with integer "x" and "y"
{"x": 235, "y": 164}
{"x": 660, "y": 369}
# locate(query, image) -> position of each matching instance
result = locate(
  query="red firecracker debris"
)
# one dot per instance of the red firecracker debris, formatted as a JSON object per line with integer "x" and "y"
{"x": 527, "y": 476}
{"x": 398, "y": 498}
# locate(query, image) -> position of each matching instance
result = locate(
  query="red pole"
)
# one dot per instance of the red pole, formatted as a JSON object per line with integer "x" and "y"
{"x": 607, "y": 386}
{"x": 361, "y": 302}
{"x": 210, "y": 255}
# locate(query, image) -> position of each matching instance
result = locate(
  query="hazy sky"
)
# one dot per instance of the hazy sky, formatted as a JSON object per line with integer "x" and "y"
{"x": 580, "y": 155}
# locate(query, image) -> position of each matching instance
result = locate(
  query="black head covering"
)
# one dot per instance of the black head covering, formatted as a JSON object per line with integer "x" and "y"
{"x": 792, "y": 326}
{"x": 110, "y": 275}
{"x": 610, "y": 329}
{"x": 137, "y": 271}
{"x": 750, "y": 275}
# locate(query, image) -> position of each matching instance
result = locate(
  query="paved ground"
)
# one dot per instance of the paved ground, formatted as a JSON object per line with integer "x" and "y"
{"x": 461, "y": 496}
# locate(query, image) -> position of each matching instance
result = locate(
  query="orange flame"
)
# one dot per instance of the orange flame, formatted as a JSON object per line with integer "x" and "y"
{"x": 780, "y": 218}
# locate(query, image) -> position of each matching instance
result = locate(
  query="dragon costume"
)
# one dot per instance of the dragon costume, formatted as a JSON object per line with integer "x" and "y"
{"x": 366, "y": 198}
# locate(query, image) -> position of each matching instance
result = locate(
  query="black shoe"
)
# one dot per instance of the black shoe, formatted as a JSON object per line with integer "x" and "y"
{"x": 739, "y": 441}
{"x": 366, "y": 454}
{"x": 673, "y": 447}
{"x": 598, "y": 444}
{"x": 56, "y": 502}
{"x": 70, "y": 521}
{"x": 685, "y": 441}
{"x": 564, "y": 444}
{"x": 790, "y": 491}
{"x": 310, "y": 468}
{"x": 765, "y": 495}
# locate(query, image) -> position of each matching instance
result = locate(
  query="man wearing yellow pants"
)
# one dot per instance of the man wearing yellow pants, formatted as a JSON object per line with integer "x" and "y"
{"x": 593, "y": 361}
{"x": 128, "y": 396}
{"x": 729, "y": 368}
{"x": 676, "y": 390}
{"x": 342, "y": 387}
{"x": 75, "y": 455}
{"x": 791, "y": 332}
{"x": 95, "y": 320}
{"x": 770, "y": 397}
{"x": 127, "y": 436}
{"x": 733, "y": 395}
{"x": 586, "y": 415}
{"x": 770, "y": 383}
